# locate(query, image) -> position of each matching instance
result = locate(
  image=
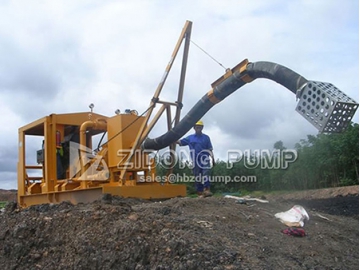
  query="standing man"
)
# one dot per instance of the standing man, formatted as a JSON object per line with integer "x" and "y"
{"x": 200, "y": 151}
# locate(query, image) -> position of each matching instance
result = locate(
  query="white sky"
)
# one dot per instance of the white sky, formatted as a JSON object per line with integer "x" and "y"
{"x": 60, "y": 56}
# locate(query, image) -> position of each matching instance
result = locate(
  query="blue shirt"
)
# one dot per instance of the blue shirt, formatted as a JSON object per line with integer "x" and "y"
{"x": 200, "y": 148}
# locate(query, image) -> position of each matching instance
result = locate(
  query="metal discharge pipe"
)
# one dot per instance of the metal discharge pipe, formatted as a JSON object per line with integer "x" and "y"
{"x": 243, "y": 73}
{"x": 100, "y": 124}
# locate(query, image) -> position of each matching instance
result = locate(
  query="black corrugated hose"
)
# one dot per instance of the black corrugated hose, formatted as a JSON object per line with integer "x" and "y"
{"x": 272, "y": 71}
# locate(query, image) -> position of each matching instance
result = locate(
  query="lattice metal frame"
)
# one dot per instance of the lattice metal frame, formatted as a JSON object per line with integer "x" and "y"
{"x": 325, "y": 106}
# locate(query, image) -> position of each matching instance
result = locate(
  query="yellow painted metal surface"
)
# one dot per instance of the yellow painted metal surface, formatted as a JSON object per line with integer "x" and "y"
{"x": 122, "y": 131}
{"x": 46, "y": 128}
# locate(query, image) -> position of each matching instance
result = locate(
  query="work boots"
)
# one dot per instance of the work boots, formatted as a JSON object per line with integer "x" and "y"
{"x": 207, "y": 192}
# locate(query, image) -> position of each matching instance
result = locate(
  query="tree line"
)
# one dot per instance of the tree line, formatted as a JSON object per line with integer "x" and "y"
{"x": 321, "y": 161}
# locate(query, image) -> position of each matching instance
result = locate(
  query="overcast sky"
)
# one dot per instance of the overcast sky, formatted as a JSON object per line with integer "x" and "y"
{"x": 60, "y": 56}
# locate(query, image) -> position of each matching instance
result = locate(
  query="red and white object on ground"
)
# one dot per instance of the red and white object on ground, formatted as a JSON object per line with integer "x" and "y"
{"x": 294, "y": 217}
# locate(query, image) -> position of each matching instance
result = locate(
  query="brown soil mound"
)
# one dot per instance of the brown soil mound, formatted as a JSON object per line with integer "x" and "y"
{"x": 8, "y": 195}
{"x": 181, "y": 233}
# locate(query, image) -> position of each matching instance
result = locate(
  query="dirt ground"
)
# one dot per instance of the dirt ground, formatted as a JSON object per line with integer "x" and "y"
{"x": 183, "y": 233}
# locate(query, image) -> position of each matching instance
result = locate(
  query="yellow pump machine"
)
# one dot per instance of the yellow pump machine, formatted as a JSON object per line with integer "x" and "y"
{"x": 68, "y": 136}
{"x": 72, "y": 171}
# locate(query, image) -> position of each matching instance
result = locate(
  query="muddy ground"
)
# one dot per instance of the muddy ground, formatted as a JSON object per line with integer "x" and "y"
{"x": 182, "y": 233}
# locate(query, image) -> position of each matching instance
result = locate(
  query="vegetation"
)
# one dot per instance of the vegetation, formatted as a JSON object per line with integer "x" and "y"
{"x": 325, "y": 160}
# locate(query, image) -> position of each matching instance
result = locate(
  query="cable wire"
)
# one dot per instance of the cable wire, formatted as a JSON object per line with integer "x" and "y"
{"x": 208, "y": 54}
{"x": 117, "y": 134}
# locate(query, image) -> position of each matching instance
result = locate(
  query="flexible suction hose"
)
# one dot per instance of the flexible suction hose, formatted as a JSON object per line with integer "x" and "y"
{"x": 239, "y": 77}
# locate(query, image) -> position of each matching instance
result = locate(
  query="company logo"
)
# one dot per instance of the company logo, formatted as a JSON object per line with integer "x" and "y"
{"x": 264, "y": 158}
{"x": 87, "y": 165}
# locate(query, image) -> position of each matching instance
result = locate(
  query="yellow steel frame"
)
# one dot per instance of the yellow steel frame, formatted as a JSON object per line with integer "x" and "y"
{"x": 47, "y": 183}
{"x": 146, "y": 128}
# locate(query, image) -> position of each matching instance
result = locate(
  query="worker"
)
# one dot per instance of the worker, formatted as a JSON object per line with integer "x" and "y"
{"x": 201, "y": 151}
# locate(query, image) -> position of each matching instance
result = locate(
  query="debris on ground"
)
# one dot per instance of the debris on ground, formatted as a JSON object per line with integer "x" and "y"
{"x": 295, "y": 217}
{"x": 299, "y": 232}
{"x": 180, "y": 233}
{"x": 245, "y": 199}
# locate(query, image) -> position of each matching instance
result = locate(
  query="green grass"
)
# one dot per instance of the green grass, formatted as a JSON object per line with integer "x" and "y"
{"x": 2, "y": 204}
